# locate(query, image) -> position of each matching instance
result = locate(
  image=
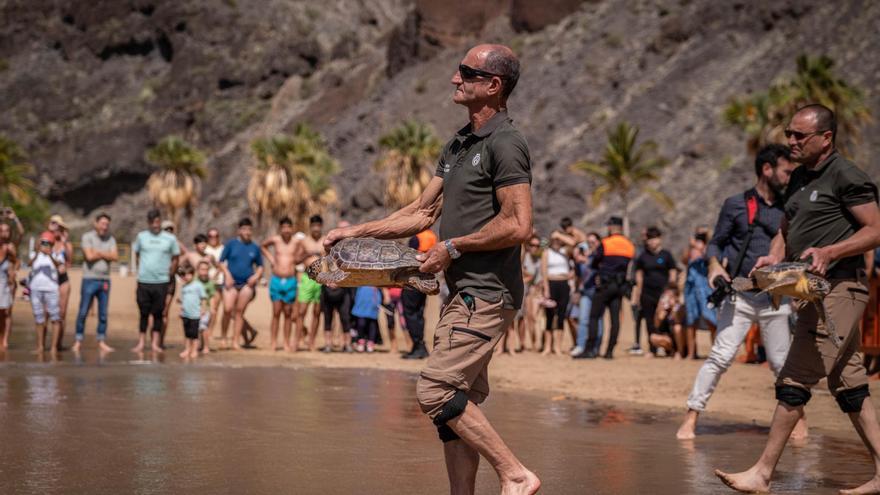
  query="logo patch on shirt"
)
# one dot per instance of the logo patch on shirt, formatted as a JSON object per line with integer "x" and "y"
{"x": 814, "y": 196}
{"x": 445, "y": 168}
{"x": 476, "y": 160}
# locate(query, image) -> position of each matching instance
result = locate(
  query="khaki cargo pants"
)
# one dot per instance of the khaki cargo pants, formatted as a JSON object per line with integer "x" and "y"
{"x": 814, "y": 356}
{"x": 464, "y": 341}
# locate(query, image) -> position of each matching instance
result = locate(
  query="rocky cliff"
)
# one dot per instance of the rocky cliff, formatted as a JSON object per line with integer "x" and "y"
{"x": 87, "y": 88}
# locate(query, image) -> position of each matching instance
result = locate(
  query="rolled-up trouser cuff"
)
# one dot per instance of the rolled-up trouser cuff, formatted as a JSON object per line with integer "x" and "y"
{"x": 792, "y": 396}
{"x": 850, "y": 400}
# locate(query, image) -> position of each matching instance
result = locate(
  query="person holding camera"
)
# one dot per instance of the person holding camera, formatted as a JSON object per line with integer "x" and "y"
{"x": 746, "y": 225}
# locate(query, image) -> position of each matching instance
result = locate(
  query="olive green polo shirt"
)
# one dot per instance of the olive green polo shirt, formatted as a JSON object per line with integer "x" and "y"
{"x": 473, "y": 166}
{"x": 817, "y": 206}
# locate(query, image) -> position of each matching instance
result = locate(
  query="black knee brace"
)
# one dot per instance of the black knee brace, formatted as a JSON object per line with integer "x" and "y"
{"x": 447, "y": 434}
{"x": 452, "y": 409}
{"x": 793, "y": 396}
{"x": 850, "y": 401}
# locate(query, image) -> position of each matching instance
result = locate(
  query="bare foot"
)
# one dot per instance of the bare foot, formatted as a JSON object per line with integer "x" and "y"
{"x": 527, "y": 484}
{"x": 138, "y": 348}
{"x": 872, "y": 486}
{"x": 687, "y": 430}
{"x": 76, "y": 346}
{"x": 745, "y": 482}
{"x": 184, "y": 354}
{"x": 157, "y": 349}
{"x": 39, "y": 350}
{"x": 194, "y": 354}
{"x": 800, "y": 432}
{"x": 546, "y": 352}
{"x": 273, "y": 345}
{"x": 101, "y": 345}
{"x": 287, "y": 348}
{"x": 206, "y": 350}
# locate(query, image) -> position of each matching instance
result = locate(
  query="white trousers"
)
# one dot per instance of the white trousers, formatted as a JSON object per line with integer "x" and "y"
{"x": 734, "y": 320}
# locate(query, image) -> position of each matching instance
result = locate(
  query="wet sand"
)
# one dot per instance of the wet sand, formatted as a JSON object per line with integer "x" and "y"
{"x": 745, "y": 393}
{"x": 142, "y": 427}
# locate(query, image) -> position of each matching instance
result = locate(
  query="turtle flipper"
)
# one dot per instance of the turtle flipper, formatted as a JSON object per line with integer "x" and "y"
{"x": 829, "y": 325}
{"x": 426, "y": 285}
{"x": 331, "y": 277}
{"x": 782, "y": 282}
{"x": 775, "y": 301}
{"x": 744, "y": 284}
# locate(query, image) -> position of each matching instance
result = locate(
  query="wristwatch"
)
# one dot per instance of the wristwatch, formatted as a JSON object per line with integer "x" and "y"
{"x": 453, "y": 253}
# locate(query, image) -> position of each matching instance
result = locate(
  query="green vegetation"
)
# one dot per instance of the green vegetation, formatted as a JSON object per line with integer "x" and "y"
{"x": 175, "y": 186}
{"x": 410, "y": 150}
{"x": 292, "y": 176}
{"x": 17, "y": 188}
{"x": 625, "y": 169}
{"x": 762, "y": 115}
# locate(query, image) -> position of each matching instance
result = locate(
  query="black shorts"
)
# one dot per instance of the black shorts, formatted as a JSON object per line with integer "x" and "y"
{"x": 190, "y": 327}
{"x": 63, "y": 278}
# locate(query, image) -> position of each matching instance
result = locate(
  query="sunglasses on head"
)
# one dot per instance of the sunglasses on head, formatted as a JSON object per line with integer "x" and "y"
{"x": 800, "y": 136}
{"x": 45, "y": 243}
{"x": 468, "y": 72}
{"x": 169, "y": 229}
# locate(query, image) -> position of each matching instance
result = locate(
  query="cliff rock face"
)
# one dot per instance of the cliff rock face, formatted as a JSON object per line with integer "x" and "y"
{"x": 87, "y": 89}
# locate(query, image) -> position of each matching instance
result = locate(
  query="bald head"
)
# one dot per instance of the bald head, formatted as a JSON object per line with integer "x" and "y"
{"x": 499, "y": 59}
{"x": 822, "y": 117}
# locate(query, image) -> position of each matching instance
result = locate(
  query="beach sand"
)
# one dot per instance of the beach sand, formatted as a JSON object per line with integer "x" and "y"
{"x": 745, "y": 394}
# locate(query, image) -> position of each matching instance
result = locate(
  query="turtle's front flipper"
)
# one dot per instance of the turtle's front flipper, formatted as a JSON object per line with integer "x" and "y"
{"x": 744, "y": 284}
{"x": 775, "y": 301}
{"x": 427, "y": 285}
{"x": 829, "y": 325}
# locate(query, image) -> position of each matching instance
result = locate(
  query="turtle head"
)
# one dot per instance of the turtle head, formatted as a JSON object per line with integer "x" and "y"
{"x": 820, "y": 286}
{"x": 315, "y": 268}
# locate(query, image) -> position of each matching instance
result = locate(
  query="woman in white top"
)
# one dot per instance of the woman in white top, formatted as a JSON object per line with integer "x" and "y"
{"x": 43, "y": 285}
{"x": 556, "y": 271}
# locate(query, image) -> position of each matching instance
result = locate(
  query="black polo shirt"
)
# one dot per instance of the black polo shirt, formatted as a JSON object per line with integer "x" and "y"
{"x": 816, "y": 207}
{"x": 473, "y": 166}
{"x": 655, "y": 269}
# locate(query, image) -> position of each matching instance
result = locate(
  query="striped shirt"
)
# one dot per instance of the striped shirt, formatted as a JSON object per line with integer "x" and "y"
{"x": 733, "y": 226}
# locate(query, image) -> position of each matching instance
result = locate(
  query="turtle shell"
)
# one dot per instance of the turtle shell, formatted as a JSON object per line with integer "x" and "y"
{"x": 791, "y": 266}
{"x": 373, "y": 254}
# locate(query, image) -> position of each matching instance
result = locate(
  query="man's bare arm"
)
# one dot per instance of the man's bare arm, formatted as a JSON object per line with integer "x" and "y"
{"x": 512, "y": 226}
{"x": 406, "y": 222}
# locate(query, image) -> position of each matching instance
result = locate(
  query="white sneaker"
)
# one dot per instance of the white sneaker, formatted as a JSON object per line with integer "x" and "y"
{"x": 636, "y": 350}
{"x": 577, "y": 350}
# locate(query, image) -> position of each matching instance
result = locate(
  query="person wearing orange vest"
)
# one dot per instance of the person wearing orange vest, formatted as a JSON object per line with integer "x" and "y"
{"x": 611, "y": 263}
{"x": 414, "y": 301}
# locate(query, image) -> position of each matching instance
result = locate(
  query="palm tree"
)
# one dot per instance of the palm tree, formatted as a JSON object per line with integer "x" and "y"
{"x": 15, "y": 183}
{"x": 410, "y": 150}
{"x": 626, "y": 169}
{"x": 291, "y": 176}
{"x": 175, "y": 186}
{"x": 762, "y": 115}
{"x": 17, "y": 188}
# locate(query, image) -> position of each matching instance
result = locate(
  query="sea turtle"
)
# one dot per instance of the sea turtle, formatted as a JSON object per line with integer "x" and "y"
{"x": 366, "y": 261}
{"x": 791, "y": 279}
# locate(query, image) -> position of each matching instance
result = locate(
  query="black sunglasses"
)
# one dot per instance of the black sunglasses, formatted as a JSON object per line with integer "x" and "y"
{"x": 169, "y": 229}
{"x": 800, "y": 136}
{"x": 468, "y": 72}
{"x": 45, "y": 243}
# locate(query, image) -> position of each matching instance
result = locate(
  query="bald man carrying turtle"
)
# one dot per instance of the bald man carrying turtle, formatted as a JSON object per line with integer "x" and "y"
{"x": 482, "y": 184}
